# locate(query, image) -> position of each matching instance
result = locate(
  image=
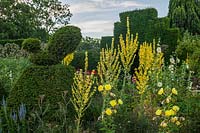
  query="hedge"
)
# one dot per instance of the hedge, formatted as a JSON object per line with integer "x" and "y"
{"x": 37, "y": 81}
{"x": 17, "y": 41}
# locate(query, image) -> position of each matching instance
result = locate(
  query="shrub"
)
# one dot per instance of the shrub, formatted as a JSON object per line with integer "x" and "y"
{"x": 79, "y": 59}
{"x": 43, "y": 58}
{"x": 64, "y": 41}
{"x": 36, "y": 82}
{"x": 17, "y": 41}
{"x": 12, "y": 50}
{"x": 31, "y": 45}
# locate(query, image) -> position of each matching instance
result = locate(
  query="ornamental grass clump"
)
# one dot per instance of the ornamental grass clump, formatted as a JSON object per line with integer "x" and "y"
{"x": 168, "y": 114}
{"x": 82, "y": 92}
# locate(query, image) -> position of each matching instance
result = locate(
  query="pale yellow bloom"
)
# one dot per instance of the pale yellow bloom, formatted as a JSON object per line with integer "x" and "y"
{"x": 161, "y": 91}
{"x": 163, "y": 124}
{"x": 175, "y": 108}
{"x": 107, "y": 87}
{"x": 113, "y": 103}
{"x": 158, "y": 112}
{"x": 174, "y": 119}
{"x": 120, "y": 101}
{"x": 178, "y": 123}
{"x": 174, "y": 91}
{"x": 168, "y": 99}
{"x": 115, "y": 111}
{"x": 100, "y": 88}
{"x": 108, "y": 111}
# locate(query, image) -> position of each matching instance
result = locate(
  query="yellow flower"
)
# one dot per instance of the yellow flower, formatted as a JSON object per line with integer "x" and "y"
{"x": 174, "y": 119}
{"x": 100, "y": 88}
{"x": 113, "y": 103}
{"x": 158, "y": 112}
{"x": 168, "y": 113}
{"x": 163, "y": 124}
{"x": 174, "y": 91}
{"x": 120, "y": 101}
{"x": 107, "y": 87}
{"x": 176, "y": 108}
{"x": 108, "y": 111}
{"x": 161, "y": 91}
{"x": 172, "y": 112}
{"x": 178, "y": 123}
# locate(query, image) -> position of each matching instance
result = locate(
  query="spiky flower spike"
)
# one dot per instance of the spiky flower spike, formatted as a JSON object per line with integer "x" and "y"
{"x": 109, "y": 67}
{"x": 82, "y": 92}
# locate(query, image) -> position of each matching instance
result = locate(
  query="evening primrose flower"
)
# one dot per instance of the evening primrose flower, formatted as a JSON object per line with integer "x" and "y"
{"x": 178, "y": 123}
{"x": 161, "y": 91}
{"x": 120, "y": 101}
{"x": 158, "y": 112}
{"x": 108, "y": 111}
{"x": 175, "y": 108}
{"x": 169, "y": 113}
{"x": 100, "y": 88}
{"x": 163, "y": 124}
{"x": 174, "y": 91}
{"x": 168, "y": 99}
{"x": 113, "y": 103}
{"x": 107, "y": 87}
{"x": 174, "y": 119}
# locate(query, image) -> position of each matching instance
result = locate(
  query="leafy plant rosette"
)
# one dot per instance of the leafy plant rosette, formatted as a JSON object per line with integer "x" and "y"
{"x": 168, "y": 113}
{"x": 110, "y": 105}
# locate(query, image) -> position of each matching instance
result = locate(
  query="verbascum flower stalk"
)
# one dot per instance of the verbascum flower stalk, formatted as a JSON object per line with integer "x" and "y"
{"x": 109, "y": 67}
{"x": 82, "y": 92}
{"x": 127, "y": 49}
{"x": 68, "y": 59}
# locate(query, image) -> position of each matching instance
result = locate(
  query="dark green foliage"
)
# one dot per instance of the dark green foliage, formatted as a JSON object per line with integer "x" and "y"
{"x": 31, "y": 45}
{"x": 139, "y": 21}
{"x": 64, "y": 41}
{"x": 106, "y": 41}
{"x": 43, "y": 58}
{"x": 89, "y": 43}
{"x": 185, "y": 14}
{"x": 2, "y": 91}
{"x": 170, "y": 38}
{"x": 47, "y": 81}
{"x": 79, "y": 59}
{"x": 17, "y": 41}
{"x": 190, "y": 45}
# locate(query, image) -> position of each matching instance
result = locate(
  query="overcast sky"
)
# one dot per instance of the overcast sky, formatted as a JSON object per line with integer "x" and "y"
{"x": 96, "y": 17}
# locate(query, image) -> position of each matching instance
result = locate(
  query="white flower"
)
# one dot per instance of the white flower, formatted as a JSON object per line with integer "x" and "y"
{"x": 172, "y": 60}
{"x": 159, "y": 84}
{"x": 171, "y": 68}
{"x": 158, "y": 50}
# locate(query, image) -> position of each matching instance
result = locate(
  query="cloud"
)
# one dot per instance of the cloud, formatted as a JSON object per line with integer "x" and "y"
{"x": 102, "y": 5}
{"x": 96, "y": 26}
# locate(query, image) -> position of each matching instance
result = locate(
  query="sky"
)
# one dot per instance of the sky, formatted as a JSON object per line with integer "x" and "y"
{"x": 96, "y": 18}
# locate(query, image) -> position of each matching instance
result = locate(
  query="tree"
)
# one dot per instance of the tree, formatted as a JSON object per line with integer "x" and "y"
{"x": 185, "y": 14}
{"x": 31, "y": 18}
{"x": 51, "y": 13}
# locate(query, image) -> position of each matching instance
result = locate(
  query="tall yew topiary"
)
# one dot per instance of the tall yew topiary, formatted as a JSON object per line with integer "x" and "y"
{"x": 46, "y": 80}
{"x": 64, "y": 41}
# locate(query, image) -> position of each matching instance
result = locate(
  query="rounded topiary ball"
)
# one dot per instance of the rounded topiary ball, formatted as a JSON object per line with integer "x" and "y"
{"x": 31, "y": 45}
{"x": 64, "y": 41}
{"x": 43, "y": 58}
